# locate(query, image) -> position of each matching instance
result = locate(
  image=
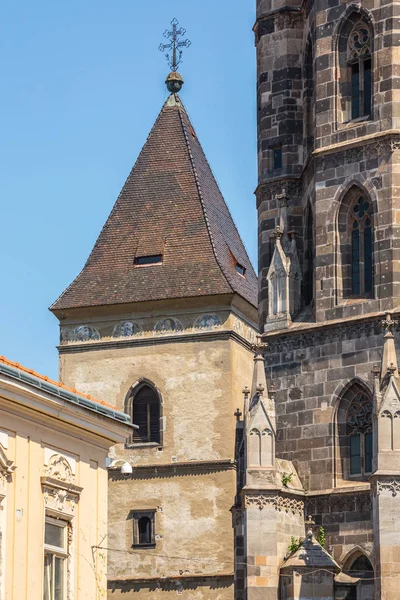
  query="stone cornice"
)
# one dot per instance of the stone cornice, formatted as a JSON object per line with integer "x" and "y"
{"x": 112, "y": 344}
{"x": 304, "y": 333}
{"x": 175, "y": 468}
{"x": 286, "y": 502}
{"x": 61, "y": 485}
{"x": 198, "y": 577}
{"x": 361, "y": 141}
{"x": 353, "y": 150}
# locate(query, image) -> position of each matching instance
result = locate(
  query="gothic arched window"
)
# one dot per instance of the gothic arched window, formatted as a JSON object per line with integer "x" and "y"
{"x": 359, "y": 430}
{"x": 360, "y": 65}
{"x": 354, "y": 433}
{"x": 144, "y": 406}
{"x": 309, "y": 246}
{"x": 356, "y": 241}
{"x": 355, "y": 68}
{"x": 309, "y": 97}
{"x": 353, "y": 439}
{"x": 358, "y": 567}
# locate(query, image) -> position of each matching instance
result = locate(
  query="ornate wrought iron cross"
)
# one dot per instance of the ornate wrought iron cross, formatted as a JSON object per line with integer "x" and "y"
{"x": 174, "y": 56}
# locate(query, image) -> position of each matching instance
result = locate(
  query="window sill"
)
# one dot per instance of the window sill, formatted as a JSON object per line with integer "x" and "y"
{"x": 138, "y": 546}
{"x": 354, "y": 300}
{"x": 143, "y": 445}
{"x": 353, "y": 123}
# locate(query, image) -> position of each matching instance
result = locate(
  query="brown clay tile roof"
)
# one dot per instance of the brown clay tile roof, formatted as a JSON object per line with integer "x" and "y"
{"x": 170, "y": 204}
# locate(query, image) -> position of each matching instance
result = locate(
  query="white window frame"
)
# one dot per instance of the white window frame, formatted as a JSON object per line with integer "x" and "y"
{"x": 56, "y": 552}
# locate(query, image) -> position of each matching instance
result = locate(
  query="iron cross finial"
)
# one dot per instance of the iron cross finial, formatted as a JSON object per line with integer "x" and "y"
{"x": 174, "y": 56}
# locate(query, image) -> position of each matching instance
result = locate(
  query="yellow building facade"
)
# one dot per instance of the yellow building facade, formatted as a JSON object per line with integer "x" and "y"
{"x": 54, "y": 444}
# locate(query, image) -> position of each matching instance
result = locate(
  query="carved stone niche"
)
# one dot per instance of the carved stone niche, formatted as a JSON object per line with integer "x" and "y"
{"x": 60, "y": 496}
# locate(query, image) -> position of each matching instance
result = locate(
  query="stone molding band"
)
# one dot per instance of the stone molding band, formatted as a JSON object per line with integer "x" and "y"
{"x": 391, "y": 486}
{"x": 329, "y": 159}
{"x": 225, "y": 334}
{"x": 280, "y": 503}
{"x": 176, "y": 468}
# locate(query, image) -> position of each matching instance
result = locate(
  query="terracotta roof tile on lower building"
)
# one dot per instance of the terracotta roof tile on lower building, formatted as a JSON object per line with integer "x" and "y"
{"x": 170, "y": 208}
{"x": 58, "y": 384}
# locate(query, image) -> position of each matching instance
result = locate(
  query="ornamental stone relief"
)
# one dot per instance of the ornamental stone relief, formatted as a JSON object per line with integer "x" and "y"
{"x": 338, "y": 503}
{"x": 163, "y": 326}
{"x": 59, "y": 500}
{"x": 59, "y": 468}
{"x": 327, "y": 336}
{"x": 7, "y": 468}
{"x": 280, "y": 503}
{"x": 391, "y": 487}
{"x": 374, "y": 149}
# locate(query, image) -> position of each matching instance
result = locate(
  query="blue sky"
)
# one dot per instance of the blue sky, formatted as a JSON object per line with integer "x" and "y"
{"x": 81, "y": 85}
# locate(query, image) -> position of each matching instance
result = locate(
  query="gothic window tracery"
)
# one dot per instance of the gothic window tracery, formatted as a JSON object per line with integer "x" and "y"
{"x": 353, "y": 441}
{"x": 355, "y": 68}
{"x": 356, "y": 242}
{"x": 361, "y": 248}
{"x": 359, "y": 429}
{"x": 359, "y": 59}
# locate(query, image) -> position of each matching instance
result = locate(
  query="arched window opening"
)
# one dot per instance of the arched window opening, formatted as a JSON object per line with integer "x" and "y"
{"x": 309, "y": 246}
{"x": 356, "y": 242}
{"x": 359, "y": 60}
{"x": 144, "y": 527}
{"x": 354, "y": 423}
{"x": 360, "y": 576}
{"x": 355, "y": 69}
{"x": 309, "y": 98}
{"x": 359, "y": 428}
{"x": 146, "y": 413}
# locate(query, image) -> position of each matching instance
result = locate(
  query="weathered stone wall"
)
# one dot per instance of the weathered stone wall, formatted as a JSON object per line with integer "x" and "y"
{"x": 363, "y": 152}
{"x": 193, "y": 528}
{"x": 189, "y": 479}
{"x": 346, "y": 518}
{"x": 310, "y": 369}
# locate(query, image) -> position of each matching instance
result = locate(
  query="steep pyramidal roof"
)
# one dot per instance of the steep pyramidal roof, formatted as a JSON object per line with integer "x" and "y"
{"x": 169, "y": 205}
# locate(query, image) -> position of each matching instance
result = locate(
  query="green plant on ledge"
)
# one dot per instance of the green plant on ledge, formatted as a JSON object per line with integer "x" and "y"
{"x": 321, "y": 538}
{"x": 294, "y": 545}
{"x": 286, "y": 479}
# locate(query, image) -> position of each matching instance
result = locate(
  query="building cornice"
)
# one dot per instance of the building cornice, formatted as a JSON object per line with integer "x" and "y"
{"x": 174, "y": 468}
{"x": 29, "y": 401}
{"x": 304, "y": 328}
{"x": 200, "y": 577}
{"x": 112, "y": 344}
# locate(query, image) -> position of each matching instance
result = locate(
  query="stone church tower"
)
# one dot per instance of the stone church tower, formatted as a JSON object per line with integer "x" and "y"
{"x": 328, "y": 204}
{"x": 160, "y": 322}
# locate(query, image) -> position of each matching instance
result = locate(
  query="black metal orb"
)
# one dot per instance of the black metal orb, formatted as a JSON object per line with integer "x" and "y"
{"x": 174, "y": 82}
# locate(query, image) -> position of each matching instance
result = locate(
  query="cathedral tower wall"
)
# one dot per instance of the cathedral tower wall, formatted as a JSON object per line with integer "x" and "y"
{"x": 338, "y": 174}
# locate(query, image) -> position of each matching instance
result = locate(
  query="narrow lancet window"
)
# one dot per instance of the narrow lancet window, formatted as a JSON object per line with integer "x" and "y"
{"x": 359, "y": 61}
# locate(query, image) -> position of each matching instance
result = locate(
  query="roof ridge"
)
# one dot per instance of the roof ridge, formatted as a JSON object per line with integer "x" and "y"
{"x": 200, "y": 192}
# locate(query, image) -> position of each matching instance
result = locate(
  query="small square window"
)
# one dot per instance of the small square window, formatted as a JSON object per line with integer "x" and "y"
{"x": 154, "y": 259}
{"x": 144, "y": 528}
{"x": 277, "y": 158}
{"x": 240, "y": 269}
